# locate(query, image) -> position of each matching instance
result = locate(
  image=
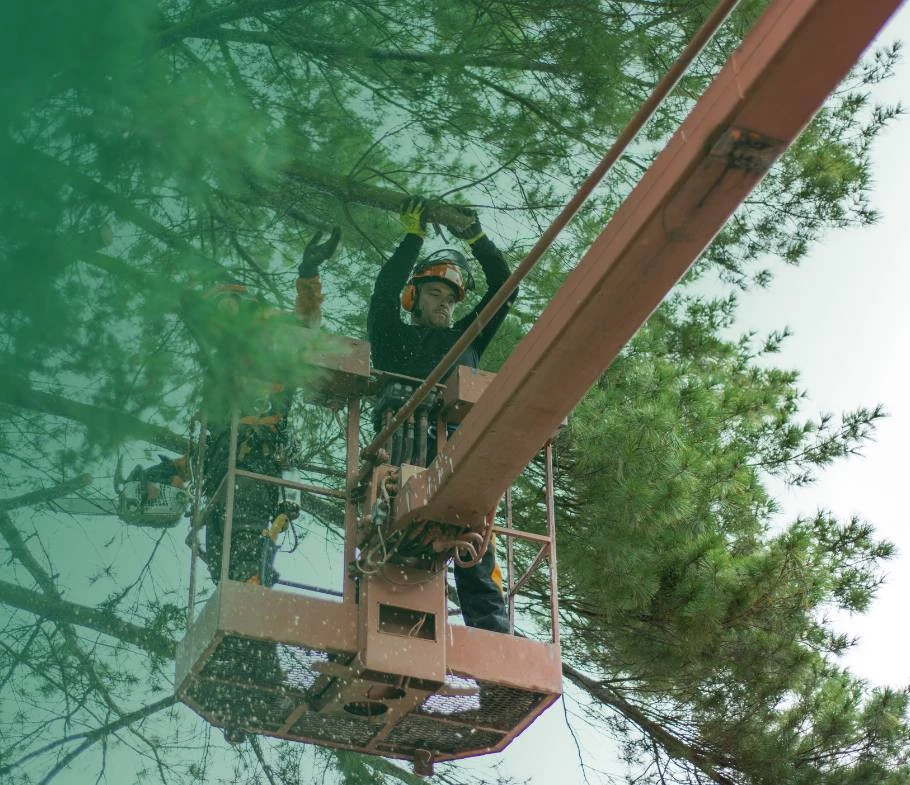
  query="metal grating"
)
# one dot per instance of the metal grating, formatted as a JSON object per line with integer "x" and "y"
{"x": 242, "y": 707}
{"x": 254, "y": 684}
{"x": 415, "y": 732}
{"x": 269, "y": 665}
{"x": 494, "y": 706}
{"x": 456, "y": 706}
{"x": 297, "y": 665}
{"x": 335, "y": 729}
{"x": 258, "y": 686}
{"x": 245, "y": 661}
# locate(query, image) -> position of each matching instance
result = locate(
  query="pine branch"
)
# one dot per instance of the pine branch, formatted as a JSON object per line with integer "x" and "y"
{"x": 55, "y": 608}
{"x": 65, "y": 761}
{"x": 266, "y": 769}
{"x": 19, "y": 550}
{"x": 195, "y": 26}
{"x": 15, "y": 393}
{"x": 348, "y": 190}
{"x": 537, "y": 110}
{"x": 23, "y": 656}
{"x": 674, "y": 746}
{"x": 91, "y": 736}
{"x": 342, "y": 51}
{"x": 121, "y": 205}
{"x": 45, "y": 494}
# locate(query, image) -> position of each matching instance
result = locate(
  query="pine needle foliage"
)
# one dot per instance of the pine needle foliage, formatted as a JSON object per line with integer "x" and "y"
{"x": 154, "y": 149}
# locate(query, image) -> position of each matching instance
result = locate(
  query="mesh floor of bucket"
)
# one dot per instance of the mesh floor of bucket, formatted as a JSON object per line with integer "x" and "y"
{"x": 257, "y": 686}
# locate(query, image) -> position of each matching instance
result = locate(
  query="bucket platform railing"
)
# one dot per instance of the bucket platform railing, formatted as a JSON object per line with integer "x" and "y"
{"x": 379, "y": 666}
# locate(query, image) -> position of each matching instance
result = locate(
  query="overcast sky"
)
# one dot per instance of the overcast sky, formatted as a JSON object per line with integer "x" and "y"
{"x": 847, "y": 307}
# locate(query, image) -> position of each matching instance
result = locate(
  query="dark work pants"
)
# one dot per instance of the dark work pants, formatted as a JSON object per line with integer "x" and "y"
{"x": 482, "y": 601}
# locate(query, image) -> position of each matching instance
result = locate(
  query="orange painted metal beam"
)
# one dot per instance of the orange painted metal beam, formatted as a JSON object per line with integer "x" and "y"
{"x": 769, "y": 89}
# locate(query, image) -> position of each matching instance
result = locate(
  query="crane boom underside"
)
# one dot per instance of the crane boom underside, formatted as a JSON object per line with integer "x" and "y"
{"x": 767, "y": 92}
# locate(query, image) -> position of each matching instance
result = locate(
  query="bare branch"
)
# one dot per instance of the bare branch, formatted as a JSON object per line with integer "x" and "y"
{"x": 45, "y": 494}
{"x": 342, "y": 51}
{"x": 104, "y": 622}
{"x": 674, "y": 746}
{"x": 194, "y": 26}
{"x": 19, "y": 550}
{"x": 21, "y": 395}
{"x": 92, "y": 736}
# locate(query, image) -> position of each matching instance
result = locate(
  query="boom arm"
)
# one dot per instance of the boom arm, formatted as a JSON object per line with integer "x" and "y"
{"x": 769, "y": 89}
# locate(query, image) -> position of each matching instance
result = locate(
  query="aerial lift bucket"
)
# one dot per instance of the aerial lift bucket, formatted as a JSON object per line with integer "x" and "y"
{"x": 379, "y": 669}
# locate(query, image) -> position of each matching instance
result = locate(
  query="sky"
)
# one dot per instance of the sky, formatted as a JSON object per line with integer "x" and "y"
{"x": 846, "y": 305}
{"x": 847, "y": 308}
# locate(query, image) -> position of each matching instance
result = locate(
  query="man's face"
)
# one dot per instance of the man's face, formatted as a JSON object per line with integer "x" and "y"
{"x": 435, "y": 305}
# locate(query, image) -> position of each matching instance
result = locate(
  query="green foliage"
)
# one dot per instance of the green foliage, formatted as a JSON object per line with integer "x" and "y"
{"x": 154, "y": 149}
{"x": 708, "y": 618}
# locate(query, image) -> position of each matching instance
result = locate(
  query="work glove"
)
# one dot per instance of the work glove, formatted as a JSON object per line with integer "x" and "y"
{"x": 317, "y": 252}
{"x": 470, "y": 231}
{"x": 413, "y": 216}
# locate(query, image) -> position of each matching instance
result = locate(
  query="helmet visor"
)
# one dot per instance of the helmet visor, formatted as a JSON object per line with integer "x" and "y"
{"x": 437, "y": 260}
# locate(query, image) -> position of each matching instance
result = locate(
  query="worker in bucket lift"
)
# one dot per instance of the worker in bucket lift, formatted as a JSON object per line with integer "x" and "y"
{"x": 262, "y": 443}
{"x": 429, "y": 290}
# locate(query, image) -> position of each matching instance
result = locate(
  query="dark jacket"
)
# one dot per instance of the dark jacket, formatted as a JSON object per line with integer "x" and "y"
{"x": 399, "y": 347}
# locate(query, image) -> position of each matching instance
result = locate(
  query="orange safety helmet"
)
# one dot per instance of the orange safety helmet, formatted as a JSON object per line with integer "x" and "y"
{"x": 448, "y": 266}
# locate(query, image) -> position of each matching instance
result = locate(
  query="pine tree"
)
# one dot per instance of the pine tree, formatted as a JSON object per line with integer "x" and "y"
{"x": 155, "y": 148}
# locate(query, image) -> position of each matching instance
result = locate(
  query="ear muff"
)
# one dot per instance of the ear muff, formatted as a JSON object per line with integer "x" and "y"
{"x": 409, "y": 297}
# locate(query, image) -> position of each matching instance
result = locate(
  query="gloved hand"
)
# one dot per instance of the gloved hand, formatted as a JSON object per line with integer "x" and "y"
{"x": 316, "y": 253}
{"x": 413, "y": 216}
{"x": 470, "y": 231}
